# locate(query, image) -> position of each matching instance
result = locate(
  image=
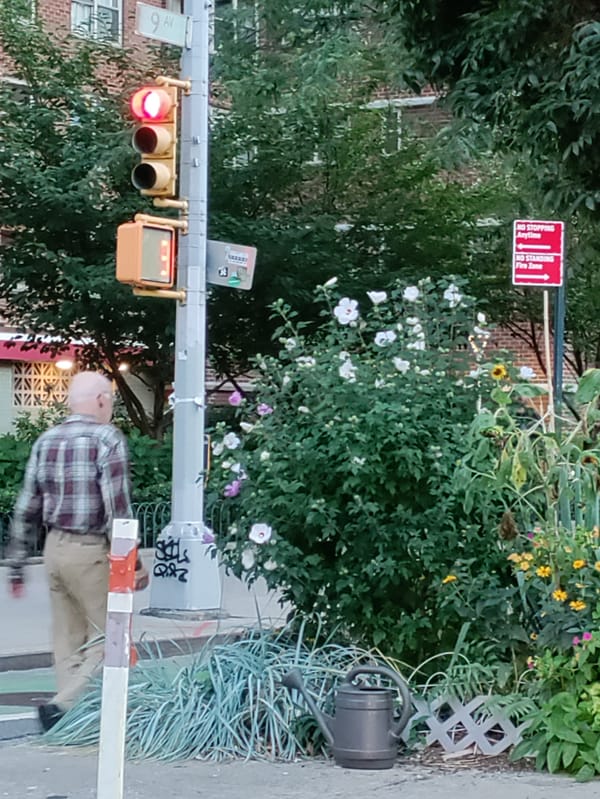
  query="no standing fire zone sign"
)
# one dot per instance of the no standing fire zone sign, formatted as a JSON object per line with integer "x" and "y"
{"x": 538, "y": 253}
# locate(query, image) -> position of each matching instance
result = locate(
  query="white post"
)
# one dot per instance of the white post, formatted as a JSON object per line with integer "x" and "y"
{"x": 117, "y": 656}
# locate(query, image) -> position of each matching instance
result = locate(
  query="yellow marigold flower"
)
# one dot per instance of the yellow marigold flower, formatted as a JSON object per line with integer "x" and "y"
{"x": 577, "y": 605}
{"x": 533, "y": 636}
{"x": 515, "y": 557}
{"x": 527, "y": 556}
{"x": 597, "y": 565}
{"x": 449, "y": 578}
{"x": 568, "y": 549}
{"x": 559, "y": 595}
{"x": 498, "y": 372}
{"x": 524, "y": 565}
{"x": 578, "y": 564}
{"x": 543, "y": 571}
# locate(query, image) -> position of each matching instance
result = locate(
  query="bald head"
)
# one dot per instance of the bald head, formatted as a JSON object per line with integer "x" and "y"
{"x": 90, "y": 393}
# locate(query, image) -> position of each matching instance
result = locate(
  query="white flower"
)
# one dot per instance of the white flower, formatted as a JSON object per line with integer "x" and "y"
{"x": 303, "y": 409}
{"x": 479, "y": 331}
{"x": 453, "y": 295}
{"x": 526, "y": 373}
{"x": 411, "y": 293}
{"x": 402, "y": 365}
{"x": 260, "y": 533}
{"x": 305, "y": 361}
{"x": 264, "y": 455}
{"x": 359, "y": 461}
{"x": 231, "y": 441}
{"x": 330, "y": 283}
{"x": 416, "y": 345}
{"x": 377, "y": 297}
{"x": 481, "y": 318}
{"x": 270, "y": 565}
{"x": 425, "y": 372}
{"x": 290, "y": 344}
{"x": 476, "y": 373}
{"x": 246, "y": 427}
{"x": 416, "y": 329}
{"x": 412, "y": 320}
{"x": 385, "y": 337}
{"x": 286, "y": 380}
{"x": 346, "y": 311}
{"x": 379, "y": 383}
{"x": 217, "y": 448}
{"x": 226, "y": 465}
{"x": 247, "y": 559}
{"x": 343, "y": 356}
{"x": 348, "y": 371}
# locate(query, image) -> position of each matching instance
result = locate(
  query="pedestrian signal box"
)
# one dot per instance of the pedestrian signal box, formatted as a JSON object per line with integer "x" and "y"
{"x": 146, "y": 255}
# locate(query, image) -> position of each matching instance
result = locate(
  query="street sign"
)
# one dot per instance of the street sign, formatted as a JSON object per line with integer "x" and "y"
{"x": 230, "y": 265}
{"x": 165, "y": 26}
{"x": 538, "y": 253}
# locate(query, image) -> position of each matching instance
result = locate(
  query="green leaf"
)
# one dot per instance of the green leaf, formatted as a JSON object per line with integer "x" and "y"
{"x": 569, "y": 753}
{"x": 585, "y": 773}
{"x": 553, "y": 756}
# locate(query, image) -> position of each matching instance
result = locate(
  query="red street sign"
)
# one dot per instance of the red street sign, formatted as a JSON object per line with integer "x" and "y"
{"x": 538, "y": 253}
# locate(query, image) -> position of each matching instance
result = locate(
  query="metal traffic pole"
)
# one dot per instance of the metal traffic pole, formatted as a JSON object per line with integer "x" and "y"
{"x": 185, "y": 575}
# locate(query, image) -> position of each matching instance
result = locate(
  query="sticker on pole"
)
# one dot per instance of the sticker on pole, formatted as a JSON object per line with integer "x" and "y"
{"x": 538, "y": 253}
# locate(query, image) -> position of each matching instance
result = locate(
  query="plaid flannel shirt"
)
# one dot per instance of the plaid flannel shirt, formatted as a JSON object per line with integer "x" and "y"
{"x": 77, "y": 479}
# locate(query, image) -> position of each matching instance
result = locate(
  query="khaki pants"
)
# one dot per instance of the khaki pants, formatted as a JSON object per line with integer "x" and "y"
{"x": 77, "y": 567}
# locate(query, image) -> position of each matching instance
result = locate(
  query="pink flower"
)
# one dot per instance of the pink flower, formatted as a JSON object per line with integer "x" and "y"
{"x": 235, "y": 399}
{"x": 576, "y": 640}
{"x": 232, "y": 489}
{"x": 264, "y": 409}
{"x": 208, "y": 537}
{"x": 587, "y": 636}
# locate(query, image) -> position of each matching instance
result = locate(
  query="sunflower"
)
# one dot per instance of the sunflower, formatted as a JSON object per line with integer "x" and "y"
{"x": 499, "y": 372}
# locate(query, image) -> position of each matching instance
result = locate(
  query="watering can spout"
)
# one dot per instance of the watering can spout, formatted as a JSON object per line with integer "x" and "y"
{"x": 293, "y": 680}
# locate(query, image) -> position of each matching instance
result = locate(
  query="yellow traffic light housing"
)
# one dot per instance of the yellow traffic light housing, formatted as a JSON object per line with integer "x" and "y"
{"x": 146, "y": 254}
{"x": 155, "y": 138}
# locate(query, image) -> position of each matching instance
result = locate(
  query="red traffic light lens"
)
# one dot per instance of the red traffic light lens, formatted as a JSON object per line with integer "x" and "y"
{"x": 151, "y": 104}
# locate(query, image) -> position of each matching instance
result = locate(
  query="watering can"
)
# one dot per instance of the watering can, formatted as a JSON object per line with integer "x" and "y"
{"x": 363, "y": 733}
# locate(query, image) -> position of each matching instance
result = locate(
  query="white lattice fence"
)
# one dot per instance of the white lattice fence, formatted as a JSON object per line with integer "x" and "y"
{"x": 456, "y": 727}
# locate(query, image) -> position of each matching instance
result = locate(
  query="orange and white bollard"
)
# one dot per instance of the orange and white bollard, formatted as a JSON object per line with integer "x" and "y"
{"x": 119, "y": 655}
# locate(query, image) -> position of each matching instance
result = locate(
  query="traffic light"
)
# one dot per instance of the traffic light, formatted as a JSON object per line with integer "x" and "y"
{"x": 155, "y": 138}
{"x": 146, "y": 255}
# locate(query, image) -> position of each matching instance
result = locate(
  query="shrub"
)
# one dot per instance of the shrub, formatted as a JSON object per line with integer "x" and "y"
{"x": 339, "y": 478}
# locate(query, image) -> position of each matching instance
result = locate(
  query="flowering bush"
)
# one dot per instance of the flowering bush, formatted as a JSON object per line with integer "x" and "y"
{"x": 339, "y": 481}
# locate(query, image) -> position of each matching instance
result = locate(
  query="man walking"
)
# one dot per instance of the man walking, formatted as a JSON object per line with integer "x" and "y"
{"x": 76, "y": 483}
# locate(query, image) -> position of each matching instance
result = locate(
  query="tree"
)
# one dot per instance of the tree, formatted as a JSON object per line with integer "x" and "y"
{"x": 524, "y": 69}
{"x": 64, "y": 187}
{"x": 302, "y": 168}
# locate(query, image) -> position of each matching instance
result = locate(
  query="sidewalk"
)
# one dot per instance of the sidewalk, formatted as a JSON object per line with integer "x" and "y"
{"x": 26, "y": 634}
{"x": 34, "y": 772}
{"x": 26, "y": 673}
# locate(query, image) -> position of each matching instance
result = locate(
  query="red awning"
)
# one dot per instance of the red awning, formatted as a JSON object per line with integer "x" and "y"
{"x": 22, "y": 351}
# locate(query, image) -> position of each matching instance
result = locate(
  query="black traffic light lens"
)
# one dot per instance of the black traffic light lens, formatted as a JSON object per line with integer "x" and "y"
{"x": 143, "y": 176}
{"x": 145, "y": 140}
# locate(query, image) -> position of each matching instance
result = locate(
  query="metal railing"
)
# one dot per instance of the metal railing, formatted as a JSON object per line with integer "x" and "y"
{"x": 152, "y": 516}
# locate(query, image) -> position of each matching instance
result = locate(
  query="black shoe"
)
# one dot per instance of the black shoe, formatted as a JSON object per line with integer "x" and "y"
{"x": 49, "y": 715}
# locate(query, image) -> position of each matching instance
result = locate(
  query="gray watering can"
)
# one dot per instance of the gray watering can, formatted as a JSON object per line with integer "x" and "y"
{"x": 363, "y": 734}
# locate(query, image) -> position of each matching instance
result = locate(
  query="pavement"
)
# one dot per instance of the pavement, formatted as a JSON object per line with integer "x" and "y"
{"x": 26, "y": 674}
{"x": 30, "y": 771}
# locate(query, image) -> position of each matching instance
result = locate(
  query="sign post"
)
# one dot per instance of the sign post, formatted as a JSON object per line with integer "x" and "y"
{"x": 538, "y": 260}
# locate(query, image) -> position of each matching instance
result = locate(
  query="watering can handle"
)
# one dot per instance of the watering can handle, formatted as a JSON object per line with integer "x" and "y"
{"x": 399, "y": 725}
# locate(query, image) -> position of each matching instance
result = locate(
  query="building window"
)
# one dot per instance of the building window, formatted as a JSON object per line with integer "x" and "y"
{"x": 39, "y": 385}
{"x": 99, "y": 19}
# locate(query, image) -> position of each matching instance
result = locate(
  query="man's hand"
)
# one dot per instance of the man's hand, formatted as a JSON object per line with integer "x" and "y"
{"x": 142, "y": 578}
{"x": 16, "y": 581}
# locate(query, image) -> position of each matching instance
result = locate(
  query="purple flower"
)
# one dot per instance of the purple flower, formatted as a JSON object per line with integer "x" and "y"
{"x": 235, "y": 399}
{"x": 576, "y": 640}
{"x": 530, "y": 534}
{"x": 587, "y": 636}
{"x": 264, "y": 409}
{"x": 232, "y": 489}
{"x": 208, "y": 536}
